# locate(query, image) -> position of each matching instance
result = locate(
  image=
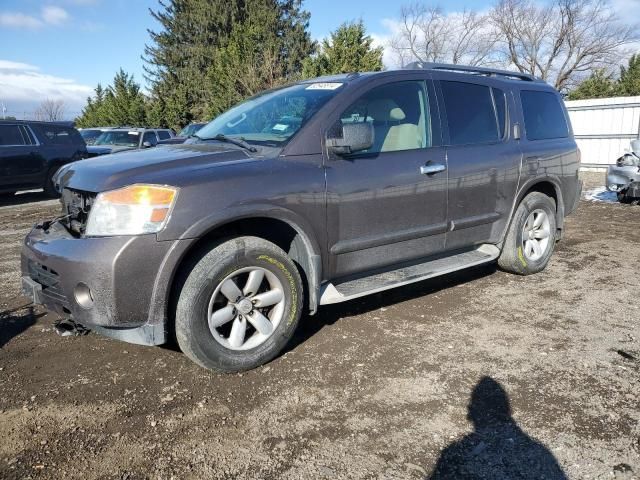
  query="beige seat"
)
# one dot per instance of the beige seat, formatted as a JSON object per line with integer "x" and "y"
{"x": 392, "y": 133}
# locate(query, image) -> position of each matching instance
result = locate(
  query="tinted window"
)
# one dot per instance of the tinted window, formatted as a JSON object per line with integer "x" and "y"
{"x": 470, "y": 113}
{"x": 501, "y": 109}
{"x": 150, "y": 137}
{"x": 10, "y": 135}
{"x": 163, "y": 135}
{"x": 59, "y": 135}
{"x": 399, "y": 113}
{"x": 543, "y": 115}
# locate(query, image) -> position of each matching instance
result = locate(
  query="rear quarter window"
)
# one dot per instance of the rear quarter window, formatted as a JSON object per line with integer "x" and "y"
{"x": 11, "y": 135}
{"x": 544, "y": 117}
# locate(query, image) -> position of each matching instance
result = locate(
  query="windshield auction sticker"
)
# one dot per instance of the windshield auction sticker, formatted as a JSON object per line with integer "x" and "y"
{"x": 324, "y": 86}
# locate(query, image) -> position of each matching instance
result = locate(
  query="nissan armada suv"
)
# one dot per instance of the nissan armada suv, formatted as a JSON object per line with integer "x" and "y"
{"x": 315, "y": 193}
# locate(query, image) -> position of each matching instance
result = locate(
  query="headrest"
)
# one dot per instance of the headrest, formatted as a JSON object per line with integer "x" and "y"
{"x": 385, "y": 110}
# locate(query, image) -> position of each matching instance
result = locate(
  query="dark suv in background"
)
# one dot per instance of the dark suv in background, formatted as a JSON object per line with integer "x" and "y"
{"x": 310, "y": 194}
{"x": 31, "y": 152}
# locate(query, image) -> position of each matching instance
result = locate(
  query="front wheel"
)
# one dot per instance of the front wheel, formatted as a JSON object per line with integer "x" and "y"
{"x": 239, "y": 305}
{"x": 531, "y": 237}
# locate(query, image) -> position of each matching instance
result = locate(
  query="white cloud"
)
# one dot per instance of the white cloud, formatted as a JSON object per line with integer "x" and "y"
{"x": 19, "y": 20}
{"x": 49, "y": 15}
{"x": 54, "y": 15}
{"x": 24, "y": 86}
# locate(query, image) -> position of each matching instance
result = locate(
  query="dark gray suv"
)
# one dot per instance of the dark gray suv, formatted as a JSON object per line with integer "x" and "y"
{"x": 314, "y": 193}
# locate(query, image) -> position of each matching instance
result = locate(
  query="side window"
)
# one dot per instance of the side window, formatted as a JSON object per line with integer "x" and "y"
{"x": 470, "y": 113}
{"x": 163, "y": 135}
{"x": 57, "y": 135}
{"x": 150, "y": 137}
{"x": 501, "y": 110}
{"x": 399, "y": 113}
{"x": 10, "y": 135}
{"x": 543, "y": 115}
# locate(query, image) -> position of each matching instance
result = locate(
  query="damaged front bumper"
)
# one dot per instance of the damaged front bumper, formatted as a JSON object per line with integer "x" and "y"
{"x": 621, "y": 178}
{"x": 101, "y": 283}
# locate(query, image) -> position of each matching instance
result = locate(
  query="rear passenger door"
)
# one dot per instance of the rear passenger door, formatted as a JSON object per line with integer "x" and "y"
{"x": 382, "y": 208}
{"x": 483, "y": 160}
{"x": 20, "y": 161}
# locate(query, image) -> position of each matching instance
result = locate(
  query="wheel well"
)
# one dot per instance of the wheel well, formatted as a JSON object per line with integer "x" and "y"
{"x": 273, "y": 230}
{"x": 550, "y": 190}
{"x": 544, "y": 187}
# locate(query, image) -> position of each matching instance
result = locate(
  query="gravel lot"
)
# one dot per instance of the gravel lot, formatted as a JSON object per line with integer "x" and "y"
{"x": 482, "y": 373}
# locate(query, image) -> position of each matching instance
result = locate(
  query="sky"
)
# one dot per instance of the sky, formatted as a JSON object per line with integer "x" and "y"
{"x": 64, "y": 48}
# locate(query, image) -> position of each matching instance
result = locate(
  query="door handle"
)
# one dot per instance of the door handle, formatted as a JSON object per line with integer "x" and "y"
{"x": 431, "y": 168}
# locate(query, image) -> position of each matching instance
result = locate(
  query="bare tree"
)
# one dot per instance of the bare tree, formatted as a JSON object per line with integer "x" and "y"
{"x": 562, "y": 41}
{"x": 50, "y": 110}
{"x": 426, "y": 34}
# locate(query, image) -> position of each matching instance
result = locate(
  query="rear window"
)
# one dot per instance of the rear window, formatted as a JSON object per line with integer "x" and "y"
{"x": 57, "y": 135}
{"x": 543, "y": 115}
{"x": 11, "y": 135}
{"x": 471, "y": 116}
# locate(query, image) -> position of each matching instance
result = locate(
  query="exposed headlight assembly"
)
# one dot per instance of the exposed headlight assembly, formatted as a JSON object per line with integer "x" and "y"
{"x": 628, "y": 160}
{"x": 131, "y": 210}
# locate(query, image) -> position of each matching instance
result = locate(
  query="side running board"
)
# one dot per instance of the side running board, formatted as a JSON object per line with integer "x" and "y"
{"x": 379, "y": 282}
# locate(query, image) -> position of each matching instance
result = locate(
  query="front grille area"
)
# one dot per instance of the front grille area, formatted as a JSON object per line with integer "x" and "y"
{"x": 75, "y": 207}
{"x": 49, "y": 279}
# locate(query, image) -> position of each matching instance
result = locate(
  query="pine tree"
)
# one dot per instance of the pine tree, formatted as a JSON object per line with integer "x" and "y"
{"x": 121, "y": 103}
{"x": 209, "y": 54}
{"x": 598, "y": 85}
{"x": 349, "y": 49}
{"x": 629, "y": 82}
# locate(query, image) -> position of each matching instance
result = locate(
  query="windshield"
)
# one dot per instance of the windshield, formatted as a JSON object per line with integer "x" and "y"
{"x": 190, "y": 129}
{"x": 273, "y": 117}
{"x": 128, "y": 139}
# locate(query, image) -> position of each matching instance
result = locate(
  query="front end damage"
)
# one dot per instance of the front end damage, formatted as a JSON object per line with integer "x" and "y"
{"x": 97, "y": 283}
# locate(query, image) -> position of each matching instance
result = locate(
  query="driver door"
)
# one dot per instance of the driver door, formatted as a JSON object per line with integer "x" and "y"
{"x": 383, "y": 205}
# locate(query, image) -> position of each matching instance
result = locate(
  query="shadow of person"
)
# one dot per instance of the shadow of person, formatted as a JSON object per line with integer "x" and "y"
{"x": 14, "y": 322}
{"x": 497, "y": 448}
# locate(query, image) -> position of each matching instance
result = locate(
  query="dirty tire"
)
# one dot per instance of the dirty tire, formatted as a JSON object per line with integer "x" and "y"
{"x": 195, "y": 338}
{"x": 48, "y": 187}
{"x": 512, "y": 259}
{"x": 623, "y": 197}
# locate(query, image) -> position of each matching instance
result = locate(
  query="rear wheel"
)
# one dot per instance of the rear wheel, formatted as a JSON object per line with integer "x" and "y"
{"x": 623, "y": 197}
{"x": 239, "y": 305}
{"x": 531, "y": 237}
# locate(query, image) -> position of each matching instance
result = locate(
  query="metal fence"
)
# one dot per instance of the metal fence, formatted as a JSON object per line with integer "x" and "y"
{"x": 603, "y": 128}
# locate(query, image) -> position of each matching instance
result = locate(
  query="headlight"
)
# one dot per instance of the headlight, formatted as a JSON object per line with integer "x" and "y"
{"x": 627, "y": 160}
{"x": 131, "y": 210}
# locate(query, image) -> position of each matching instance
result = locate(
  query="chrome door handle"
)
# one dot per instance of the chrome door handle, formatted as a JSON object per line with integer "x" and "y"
{"x": 432, "y": 168}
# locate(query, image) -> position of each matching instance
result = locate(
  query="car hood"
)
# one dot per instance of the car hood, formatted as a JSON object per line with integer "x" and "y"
{"x": 162, "y": 165}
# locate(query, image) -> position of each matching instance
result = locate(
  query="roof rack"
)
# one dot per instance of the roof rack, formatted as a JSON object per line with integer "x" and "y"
{"x": 491, "y": 72}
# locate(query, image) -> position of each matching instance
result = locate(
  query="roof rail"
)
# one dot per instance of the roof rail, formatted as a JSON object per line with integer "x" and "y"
{"x": 491, "y": 72}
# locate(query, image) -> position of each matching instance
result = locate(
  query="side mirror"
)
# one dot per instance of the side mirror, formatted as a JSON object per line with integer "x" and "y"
{"x": 147, "y": 144}
{"x": 355, "y": 138}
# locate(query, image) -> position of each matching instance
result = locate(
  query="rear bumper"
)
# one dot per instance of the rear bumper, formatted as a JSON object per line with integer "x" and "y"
{"x": 127, "y": 279}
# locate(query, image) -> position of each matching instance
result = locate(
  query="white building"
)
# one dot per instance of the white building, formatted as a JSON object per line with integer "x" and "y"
{"x": 603, "y": 128}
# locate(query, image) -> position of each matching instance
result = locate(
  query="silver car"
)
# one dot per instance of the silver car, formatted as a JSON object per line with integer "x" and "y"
{"x": 624, "y": 177}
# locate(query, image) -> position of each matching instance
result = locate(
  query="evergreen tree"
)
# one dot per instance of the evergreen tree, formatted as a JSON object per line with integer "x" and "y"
{"x": 598, "y": 85}
{"x": 629, "y": 82}
{"x": 208, "y": 54}
{"x": 349, "y": 49}
{"x": 119, "y": 104}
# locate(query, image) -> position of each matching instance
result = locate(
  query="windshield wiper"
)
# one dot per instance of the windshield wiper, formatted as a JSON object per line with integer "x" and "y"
{"x": 239, "y": 142}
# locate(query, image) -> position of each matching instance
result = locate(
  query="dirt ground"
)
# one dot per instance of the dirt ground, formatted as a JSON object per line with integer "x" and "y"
{"x": 480, "y": 374}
